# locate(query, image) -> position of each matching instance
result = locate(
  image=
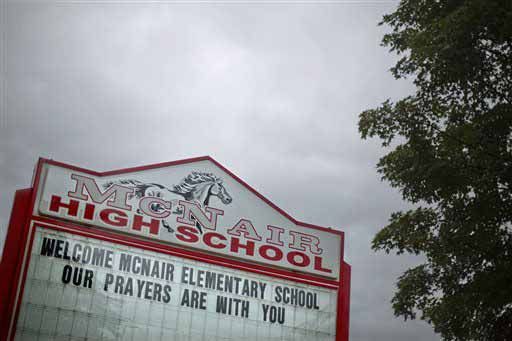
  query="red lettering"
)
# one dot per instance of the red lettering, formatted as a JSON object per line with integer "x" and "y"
{"x": 318, "y": 265}
{"x": 208, "y": 240}
{"x": 277, "y": 253}
{"x": 113, "y": 217}
{"x": 187, "y": 234}
{"x": 89, "y": 211}
{"x": 302, "y": 263}
{"x": 138, "y": 223}
{"x": 56, "y": 203}
{"x": 236, "y": 245}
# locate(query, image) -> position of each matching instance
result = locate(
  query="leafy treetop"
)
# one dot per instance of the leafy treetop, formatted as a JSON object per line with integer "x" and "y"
{"x": 452, "y": 158}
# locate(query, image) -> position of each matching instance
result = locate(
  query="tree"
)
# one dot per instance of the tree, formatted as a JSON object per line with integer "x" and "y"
{"x": 451, "y": 157}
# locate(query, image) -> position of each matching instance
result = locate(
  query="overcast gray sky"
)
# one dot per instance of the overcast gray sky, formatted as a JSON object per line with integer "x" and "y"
{"x": 272, "y": 91}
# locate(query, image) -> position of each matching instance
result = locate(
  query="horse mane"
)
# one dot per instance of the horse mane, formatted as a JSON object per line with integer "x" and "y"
{"x": 191, "y": 181}
{"x": 185, "y": 188}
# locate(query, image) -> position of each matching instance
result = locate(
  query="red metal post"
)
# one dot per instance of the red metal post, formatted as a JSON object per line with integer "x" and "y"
{"x": 12, "y": 256}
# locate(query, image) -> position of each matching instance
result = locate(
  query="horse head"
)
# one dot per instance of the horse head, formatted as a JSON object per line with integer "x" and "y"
{"x": 197, "y": 186}
{"x": 218, "y": 190}
{"x": 201, "y": 186}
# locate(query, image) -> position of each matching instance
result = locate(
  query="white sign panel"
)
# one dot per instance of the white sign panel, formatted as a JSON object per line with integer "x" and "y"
{"x": 196, "y": 205}
{"x": 80, "y": 288}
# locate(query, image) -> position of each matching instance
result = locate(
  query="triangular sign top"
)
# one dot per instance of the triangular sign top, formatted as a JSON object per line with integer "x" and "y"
{"x": 194, "y": 203}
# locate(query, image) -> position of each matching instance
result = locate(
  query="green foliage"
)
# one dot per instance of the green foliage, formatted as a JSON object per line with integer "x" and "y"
{"x": 452, "y": 158}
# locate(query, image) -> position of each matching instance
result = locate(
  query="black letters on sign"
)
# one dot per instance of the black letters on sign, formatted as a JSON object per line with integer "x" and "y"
{"x": 77, "y": 276}
{"x": 273, "y": 314}
{"x": 194, "y": 299}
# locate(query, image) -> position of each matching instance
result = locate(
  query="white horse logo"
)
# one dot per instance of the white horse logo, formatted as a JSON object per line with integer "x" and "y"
{"x": 198, "y": 187}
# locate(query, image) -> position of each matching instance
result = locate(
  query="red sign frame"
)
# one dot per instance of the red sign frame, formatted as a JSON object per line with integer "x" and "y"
{"x": 22, "y": 224}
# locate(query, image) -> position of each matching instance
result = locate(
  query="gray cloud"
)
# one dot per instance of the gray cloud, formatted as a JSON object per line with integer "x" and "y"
{"x": 271, "y": 91}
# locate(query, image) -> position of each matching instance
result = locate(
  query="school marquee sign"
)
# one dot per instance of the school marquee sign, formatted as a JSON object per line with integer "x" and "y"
{"x": 173, "y": 251}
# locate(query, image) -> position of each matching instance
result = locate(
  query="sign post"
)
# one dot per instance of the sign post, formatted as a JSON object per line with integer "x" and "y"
{"x": 182, "y": 250}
